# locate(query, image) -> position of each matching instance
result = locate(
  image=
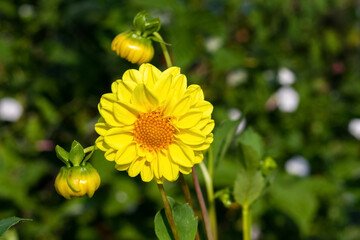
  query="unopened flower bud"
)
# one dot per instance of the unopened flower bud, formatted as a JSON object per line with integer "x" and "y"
{"x": 77, "y": 181}
{"x": 133, "y": 47}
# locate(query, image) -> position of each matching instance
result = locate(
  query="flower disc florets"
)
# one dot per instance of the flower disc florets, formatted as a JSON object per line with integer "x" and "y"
{"x": 152, "y": 124}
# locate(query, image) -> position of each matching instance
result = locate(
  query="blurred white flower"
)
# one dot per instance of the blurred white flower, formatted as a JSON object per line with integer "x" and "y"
{"x": 255, "y": 232}
{"x": 286, "y": 76}
{"x": 26, "y": 11}
{"x": 236, "y": 77}
{"x": 10, "y": 109}
{"x": 297, "y": 166}
{"x": 241, "y": 127}
{"x": 287, "y": 99}
{"x": 121, "y": 196}
{"x": 234, "y": 114}
{"x": 212, "y": 44}
{"x": 354, "y": 128}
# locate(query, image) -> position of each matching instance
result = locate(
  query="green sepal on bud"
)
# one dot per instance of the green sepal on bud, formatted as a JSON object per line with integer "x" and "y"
{"x": 145, "y": 25}
{"x": 76, "y": 154}
{"x": 62, "y": 154}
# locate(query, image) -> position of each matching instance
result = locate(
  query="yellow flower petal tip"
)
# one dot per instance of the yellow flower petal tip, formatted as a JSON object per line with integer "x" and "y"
{"x": 133, "y": 47}
{"x": 153, "y": 124}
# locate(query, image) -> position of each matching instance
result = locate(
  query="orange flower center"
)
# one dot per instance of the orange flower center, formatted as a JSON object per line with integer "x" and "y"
{"x": 153, "y": 131}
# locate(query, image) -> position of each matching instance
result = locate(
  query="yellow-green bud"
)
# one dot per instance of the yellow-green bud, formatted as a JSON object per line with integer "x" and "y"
{"x": 133, "y": 47}
{"x": 77, "y": 181}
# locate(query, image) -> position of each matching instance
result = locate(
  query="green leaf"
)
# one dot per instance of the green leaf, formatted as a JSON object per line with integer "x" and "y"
{"x": 248, "y": 187}
{"x": 185, "y": 221}
{"x": 222, "y": 138}
{"x": 249, "y": 159}
{"x": 62, "y": 154}
{"x": 297, "y": 199}
{"x": 253, "y": 139}
{"x": 6, "y": 223}
{"x": 76, "y": 153}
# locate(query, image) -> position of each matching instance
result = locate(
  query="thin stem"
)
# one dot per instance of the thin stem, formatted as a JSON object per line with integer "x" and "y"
{"x": 186, "y": 190}
{"x": 246, "y": 222}
{"x": 211, "y": 199}
{"x": 187, "y": 194}
{"x": 168, "y": 212}
{"x": 211, "y": 163}
{"x": 89, "y": 149}
{"x": 164, "y": 49}
{"x": 202, "y": 205}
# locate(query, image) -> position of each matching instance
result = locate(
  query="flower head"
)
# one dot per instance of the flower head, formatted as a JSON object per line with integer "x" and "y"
{"x": 152, "y": 124}
{"x": 133, "y": 47}
{"x": 77, "y": 181}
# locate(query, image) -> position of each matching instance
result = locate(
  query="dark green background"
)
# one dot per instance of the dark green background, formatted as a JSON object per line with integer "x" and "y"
{"x": 57, "y": 62}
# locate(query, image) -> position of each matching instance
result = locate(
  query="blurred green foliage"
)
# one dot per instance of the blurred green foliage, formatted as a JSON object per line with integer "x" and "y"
{"x": 55, "y": 59}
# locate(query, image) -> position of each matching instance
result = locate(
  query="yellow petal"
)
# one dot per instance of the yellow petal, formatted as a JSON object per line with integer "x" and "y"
{"x": 114, "y": 87}
{"x": 150, "y": 156}
{"x": 205, "y": 107}
{"x": 202, "y": 123}
{"x": 168, "y": 169}
{"x": 162, "y": 88}
{"x": 189, "y": 119}
{"x": 178, "y": 108}
{"x": 125, "y": 113}
{"x": 126, "y": 155}
{"x": 181, "y": 154}
{"x": 201, "y": 147}
{"x": 132, "y": 75}
{"x": 108, "y": 116}
{"x": 208, "y": 128}
{"x": 150, "y": 74}
{"x": 100, "y": 144}
{"x": 118, "y": 137}
{"x": 185, "y": 170}
{"x": 199, "y": 157}
{"x": 195, "y": 92}
{"x": 156, "y": 167}
{"x": 124, "y": 90}
{"x": 136, "y": 167}
{"x": 107, "y": 100}
{"x": 191, "y": 136}
{"x": 174, "y": 71}
{"x": 147, "y": 173}
{"x": 122, "y": 167}
{"x": 110, "y": 154}
{"x": 101, "y": 128}
{"x": 144, "y": 99}
{"x": 179, "y": 86}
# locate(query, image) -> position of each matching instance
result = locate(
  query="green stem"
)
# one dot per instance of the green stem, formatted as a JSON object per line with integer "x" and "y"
{"x": 211, "y": 163}
{"x": 89, "y": 149}
{"x": 246, "y": 222}
{"x": 164, "y": 49}
{"x": 187, "y": 194}
{"x": 168, "y": 212}
{"x": 211, "y": 199}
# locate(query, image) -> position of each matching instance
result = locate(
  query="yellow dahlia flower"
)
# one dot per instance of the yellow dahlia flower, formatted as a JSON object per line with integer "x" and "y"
{"x": 152, "y": 124}
{"x": 133, "y": 47}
